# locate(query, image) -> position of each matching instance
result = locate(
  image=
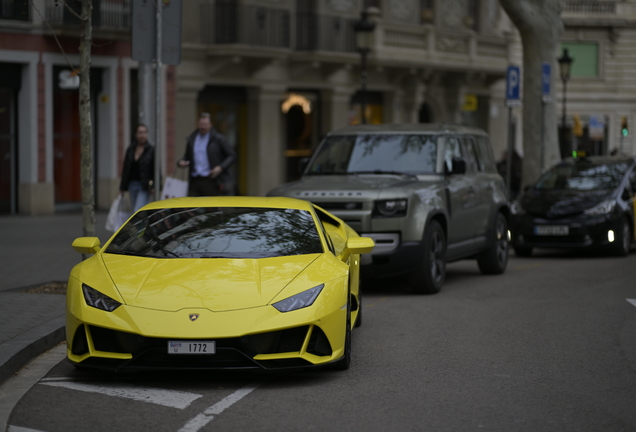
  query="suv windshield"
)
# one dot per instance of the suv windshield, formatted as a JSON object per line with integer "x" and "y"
{"x": 221, "y": 232}
{"x": 350, "y": 154}
{"x": 583, "y": 177}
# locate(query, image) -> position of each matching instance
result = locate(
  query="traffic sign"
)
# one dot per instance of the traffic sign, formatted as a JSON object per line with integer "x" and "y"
{"x": 546, "y": 79}
{"x": 513, "y": 84}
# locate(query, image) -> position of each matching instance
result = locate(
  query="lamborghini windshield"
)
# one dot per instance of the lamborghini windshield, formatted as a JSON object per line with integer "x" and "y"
{"x": 218, "y": 232}
{"x": 363, "y": 154}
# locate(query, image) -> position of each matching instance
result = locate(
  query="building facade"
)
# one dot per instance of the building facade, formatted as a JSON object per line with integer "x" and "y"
{"x": 275, "y": 75}
{"x": 601, "y": 93}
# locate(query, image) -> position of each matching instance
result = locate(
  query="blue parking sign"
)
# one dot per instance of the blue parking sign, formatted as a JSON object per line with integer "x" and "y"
{"x": 546, "y": 72}
{"x": 513, "y": 84}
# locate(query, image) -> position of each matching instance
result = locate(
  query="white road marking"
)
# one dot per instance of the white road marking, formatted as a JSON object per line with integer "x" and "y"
{"x": 632, "y": 301}
{"x": 202, "y": 419}
{"x": 21, "y": 429}
{"x": 169, "y": 398}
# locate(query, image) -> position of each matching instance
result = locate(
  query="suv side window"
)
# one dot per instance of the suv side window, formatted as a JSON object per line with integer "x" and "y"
{"x": 472, "y": 162}
{"x": 452, "y": 150}
{"x": 484, "y": 153}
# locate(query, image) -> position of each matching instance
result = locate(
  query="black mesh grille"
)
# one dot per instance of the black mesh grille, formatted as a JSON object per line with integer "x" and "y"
{"x": 318, "y": 343}
{"x": 80, "y": 343}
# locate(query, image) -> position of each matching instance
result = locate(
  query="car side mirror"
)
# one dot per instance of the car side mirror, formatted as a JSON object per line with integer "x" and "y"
{"x": 86, "y": 245}
{"x": 459, "y": 166}
{"x": 302, "y": 165}
{"x": 360, "y": 245}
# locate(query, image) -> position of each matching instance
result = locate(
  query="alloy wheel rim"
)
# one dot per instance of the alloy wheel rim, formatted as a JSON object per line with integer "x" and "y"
{"x": 502, "y": 242}
{"x": 437, "y": 261}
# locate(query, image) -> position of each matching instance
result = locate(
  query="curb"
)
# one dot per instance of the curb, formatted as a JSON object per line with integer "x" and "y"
{"x": 17, "y": 352}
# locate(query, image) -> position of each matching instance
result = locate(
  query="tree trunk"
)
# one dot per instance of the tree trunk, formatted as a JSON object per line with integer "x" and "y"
{"x": 539, "y": 23}
{"x": 88, "y": 199}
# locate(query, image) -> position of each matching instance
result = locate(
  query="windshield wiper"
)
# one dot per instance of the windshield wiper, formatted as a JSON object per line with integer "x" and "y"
{"x": 384, "y": 172}
{"x": 128, "y": 252}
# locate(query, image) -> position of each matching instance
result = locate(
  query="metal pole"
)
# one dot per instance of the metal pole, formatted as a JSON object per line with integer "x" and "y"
{"x": 158, "y": 81}
{"x": 542, "y": 162}
{"x": 511, "y": 141}
{"x": 563, "y": 123}
{"x": 363, "y": 85}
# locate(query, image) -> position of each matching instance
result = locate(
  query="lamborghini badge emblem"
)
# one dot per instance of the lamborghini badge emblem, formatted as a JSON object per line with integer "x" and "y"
{"x": 193, "y": 317}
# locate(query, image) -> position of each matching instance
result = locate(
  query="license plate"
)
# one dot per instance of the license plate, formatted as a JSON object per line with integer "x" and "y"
{"x": 191, "y": 347}
{"x": 555, "y": 230}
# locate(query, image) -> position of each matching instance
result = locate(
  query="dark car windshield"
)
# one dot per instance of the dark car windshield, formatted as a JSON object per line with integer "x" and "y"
{"x": 583, "y": 177}
{"x": 350, "y": 154}
{"x": 221, "y": 232}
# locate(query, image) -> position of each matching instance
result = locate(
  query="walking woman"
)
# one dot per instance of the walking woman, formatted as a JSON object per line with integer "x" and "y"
{"x": 139, "y": 169}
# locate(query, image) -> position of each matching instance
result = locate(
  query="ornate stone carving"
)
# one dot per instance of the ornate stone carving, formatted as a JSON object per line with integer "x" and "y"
{"x": 454, "y": 45}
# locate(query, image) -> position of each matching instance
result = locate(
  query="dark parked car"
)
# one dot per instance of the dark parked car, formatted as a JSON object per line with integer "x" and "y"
{"x": 579, "y": 203}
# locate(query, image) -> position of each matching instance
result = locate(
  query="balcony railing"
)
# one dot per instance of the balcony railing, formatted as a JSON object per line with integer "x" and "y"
{"x": 18, "y": 10}
{"x": 229, "y": 22}
{"x": 107, "y": 14}
{"x": 590, "y": 7}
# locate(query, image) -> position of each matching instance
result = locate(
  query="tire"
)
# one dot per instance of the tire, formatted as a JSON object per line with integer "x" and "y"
{"x": 345, "y": 361}
{"x": 623, "y": 242}
{"x": 523, "y": 251}
{"x": 428, "y": 278}
{"x": 495, "y": 259}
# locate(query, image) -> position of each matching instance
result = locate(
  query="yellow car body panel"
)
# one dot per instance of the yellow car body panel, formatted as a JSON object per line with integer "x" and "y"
{"x": 230, "y": 299}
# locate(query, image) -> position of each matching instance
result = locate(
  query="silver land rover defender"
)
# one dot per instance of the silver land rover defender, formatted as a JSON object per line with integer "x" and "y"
{"x": 427, "y": 194}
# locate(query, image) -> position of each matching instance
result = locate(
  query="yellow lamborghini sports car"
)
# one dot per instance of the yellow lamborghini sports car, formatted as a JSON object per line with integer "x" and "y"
{"x": 217, "y": 283}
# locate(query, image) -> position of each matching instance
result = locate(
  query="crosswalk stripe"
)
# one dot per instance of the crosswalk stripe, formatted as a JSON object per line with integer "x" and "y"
{"x": 169, "y": 398}
{"x": 632, "y": 301}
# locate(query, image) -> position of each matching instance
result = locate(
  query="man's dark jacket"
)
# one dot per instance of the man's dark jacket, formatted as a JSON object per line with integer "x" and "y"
{"x": 220, "y": 153}
{"x": 146, "y": 166}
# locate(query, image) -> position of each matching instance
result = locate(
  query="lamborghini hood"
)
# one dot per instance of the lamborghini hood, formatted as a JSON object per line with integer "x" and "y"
{"x": 211, "y": 283}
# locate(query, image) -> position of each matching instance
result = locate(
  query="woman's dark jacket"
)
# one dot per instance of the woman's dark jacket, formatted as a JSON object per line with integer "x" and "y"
{"x": 146, "y": 167}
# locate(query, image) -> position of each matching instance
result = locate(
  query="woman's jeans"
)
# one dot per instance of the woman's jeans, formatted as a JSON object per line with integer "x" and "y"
{"x": 138, "y": 196}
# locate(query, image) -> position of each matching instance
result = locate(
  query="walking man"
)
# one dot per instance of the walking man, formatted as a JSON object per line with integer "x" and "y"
{"x": 208, "y": 156}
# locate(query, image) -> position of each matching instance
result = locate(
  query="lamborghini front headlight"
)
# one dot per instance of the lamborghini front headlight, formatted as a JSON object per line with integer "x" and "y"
{"x": 300, "y": 300}
{"x": 98, "y": 300}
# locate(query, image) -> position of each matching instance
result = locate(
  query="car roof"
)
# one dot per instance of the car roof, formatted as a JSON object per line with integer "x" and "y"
{"x": 231, "y": 201}
{"x": 411, "y": 128}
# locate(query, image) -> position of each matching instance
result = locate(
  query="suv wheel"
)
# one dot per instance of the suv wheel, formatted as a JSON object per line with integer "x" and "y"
{"x": 495, "y": 259}
{"x": 429, "y": 276}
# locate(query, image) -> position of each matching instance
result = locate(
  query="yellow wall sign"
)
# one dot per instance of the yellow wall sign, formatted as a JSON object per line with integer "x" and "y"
{"x": 470, "y": 102}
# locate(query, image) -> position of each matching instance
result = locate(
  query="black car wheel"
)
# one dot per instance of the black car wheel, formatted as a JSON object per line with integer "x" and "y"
{"x": 623, "y": 240}
{"x": 428, "y": 278}
{"x": 359, "y": 317}
{"x": 345, "y": 361}
{"x": 495, "y": 259}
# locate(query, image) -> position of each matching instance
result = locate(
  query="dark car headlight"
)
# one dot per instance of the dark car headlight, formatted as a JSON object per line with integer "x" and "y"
{"x": 390, "y": 208}
{"x": 602, "y": 208}
{"x": 98, "y": 300}
{"x": 300, "y": 300}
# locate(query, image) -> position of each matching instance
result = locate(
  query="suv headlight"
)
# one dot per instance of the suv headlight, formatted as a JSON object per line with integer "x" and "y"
{"x": 300, "y": 300}
{"x": 602, "y": 208}
{"x": 516, "y": 209}
{"x": 98, "y": 300}
{"x": 389, "y": 208}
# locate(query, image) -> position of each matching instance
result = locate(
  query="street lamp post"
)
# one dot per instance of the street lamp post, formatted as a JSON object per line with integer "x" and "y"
{"x": 565, "y": 65}
{"x": 364, "y": 40}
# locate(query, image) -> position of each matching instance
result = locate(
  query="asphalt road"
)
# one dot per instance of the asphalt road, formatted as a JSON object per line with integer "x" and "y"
{"x": 548, "y": 346}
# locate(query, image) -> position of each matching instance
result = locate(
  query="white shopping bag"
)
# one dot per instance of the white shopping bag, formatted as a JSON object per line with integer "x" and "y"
{"x": 119, "y": 212}
{"x": 174, "y": 188}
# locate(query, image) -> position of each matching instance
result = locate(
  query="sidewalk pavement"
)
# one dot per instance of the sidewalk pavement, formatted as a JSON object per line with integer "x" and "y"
{"x": 35, "y": 250}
